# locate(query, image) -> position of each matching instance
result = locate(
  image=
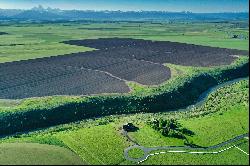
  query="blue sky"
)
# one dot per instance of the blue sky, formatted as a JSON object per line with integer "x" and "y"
{"x": 125, "y": 5}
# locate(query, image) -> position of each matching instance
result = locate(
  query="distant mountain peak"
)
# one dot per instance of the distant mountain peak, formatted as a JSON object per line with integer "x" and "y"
{"x": 41, "y": 13}
{"x": 38, "y": 8}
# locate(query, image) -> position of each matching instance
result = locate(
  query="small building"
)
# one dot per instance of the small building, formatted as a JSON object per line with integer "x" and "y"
{"x": 129, "y": 127}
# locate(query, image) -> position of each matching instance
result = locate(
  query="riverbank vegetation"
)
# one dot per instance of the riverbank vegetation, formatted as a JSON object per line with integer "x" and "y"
{"x": 94, "y": 140}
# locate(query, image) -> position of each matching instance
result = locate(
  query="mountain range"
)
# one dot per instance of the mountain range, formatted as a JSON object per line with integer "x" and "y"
{"x": 41, "y": 13}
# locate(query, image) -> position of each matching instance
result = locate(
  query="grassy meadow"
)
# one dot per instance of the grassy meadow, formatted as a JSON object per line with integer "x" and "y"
{"x": 29, "y": 41}
{"x": 99, "y": 141}
{"x": 37, "y": 154}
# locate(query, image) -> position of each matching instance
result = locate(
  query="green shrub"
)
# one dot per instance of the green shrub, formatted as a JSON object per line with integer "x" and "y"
{"x": 170, "y": 128}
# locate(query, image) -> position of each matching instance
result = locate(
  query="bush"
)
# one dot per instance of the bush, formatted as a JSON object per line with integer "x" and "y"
{"x": 170, "y": 128}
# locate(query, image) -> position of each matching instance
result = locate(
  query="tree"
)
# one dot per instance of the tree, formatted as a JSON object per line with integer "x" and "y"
{"x": 170, "y": 128}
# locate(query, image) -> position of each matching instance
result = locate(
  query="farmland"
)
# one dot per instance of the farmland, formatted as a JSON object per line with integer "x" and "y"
{"x": 29, "y": 41}
{"x": 130, "y": 60}
{"x": 23, "y": 154}
{"x": 162, "y": 52}
{"x": 74, "y": 84}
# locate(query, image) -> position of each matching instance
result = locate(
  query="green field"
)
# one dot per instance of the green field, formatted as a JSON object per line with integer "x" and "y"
{"x": 230, "y": 157}
{"x": 99, "y": 141}
{"x": 98, "y": 144}
{"x": 36, "y": 154}
{"x": 29, "y": 41}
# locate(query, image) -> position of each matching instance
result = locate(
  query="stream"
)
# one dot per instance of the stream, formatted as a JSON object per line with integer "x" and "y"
{"x": 203, "y": 97}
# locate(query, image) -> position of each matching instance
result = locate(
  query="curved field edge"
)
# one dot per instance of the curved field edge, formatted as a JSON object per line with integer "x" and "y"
{"x": 177, "y": 93}
{"x": 99, "y": 141}
{"x": 23, "y": 154}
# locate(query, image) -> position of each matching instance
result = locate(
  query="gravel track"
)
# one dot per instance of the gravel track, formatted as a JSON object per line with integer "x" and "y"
{"x": 180, "y": 149}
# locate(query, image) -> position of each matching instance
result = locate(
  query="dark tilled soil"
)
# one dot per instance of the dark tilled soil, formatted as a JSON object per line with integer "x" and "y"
{"x": 143, "y": 72}
{"x": 37, "y": 79}
{"x": 163, "y": 51}
{"x": 3, "y": 33}
{"x": 106, "y": 69}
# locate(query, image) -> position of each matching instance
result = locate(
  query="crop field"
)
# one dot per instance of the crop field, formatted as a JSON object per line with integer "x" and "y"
{"x": 30, "y": 80}
{"x": 36, "y": 154}
{"x": 162, "y": 52}
{"x": 107, "y": 69}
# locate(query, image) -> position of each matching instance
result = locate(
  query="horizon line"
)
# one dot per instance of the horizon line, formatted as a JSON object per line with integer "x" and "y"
{"x": 167, "y": 11}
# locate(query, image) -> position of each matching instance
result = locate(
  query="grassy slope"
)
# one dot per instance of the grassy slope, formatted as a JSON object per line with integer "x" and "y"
{"x": 96, "y": 145}
{"x": 103, "y": 144}
{"x": 42, "y": 40}
{"x": 36, "y": 154}
{"x": 230, "y": 157}
{"x": 218, "y": 127}
{"x": 231, "y": 113}
{"x": 148, "y": 137}
{"x": 224, "y": 115}
{"x": 230, "y": 120}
